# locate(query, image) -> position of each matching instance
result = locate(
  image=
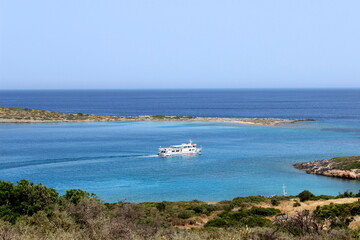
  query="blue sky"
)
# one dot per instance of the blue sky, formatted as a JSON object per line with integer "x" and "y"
{"x": 107, "y": 44}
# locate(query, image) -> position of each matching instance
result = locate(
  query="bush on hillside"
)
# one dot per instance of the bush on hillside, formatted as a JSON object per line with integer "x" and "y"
{"x": 25, "y": 198}
{"x": 296, "y": 204}
{"x": 305, "y": 195}
{"x": 75, "y": 195}
{"x": 242, "y": 201}
{"x": 186, "y": 214}
{"x": 203, "y": 209}
{"x": 264, "y": 211}
{"x": 251, "y": 218}
{"x": 338, "y": 210}
{"x": 275, "y": 202}
{"x": 161, "y": 206}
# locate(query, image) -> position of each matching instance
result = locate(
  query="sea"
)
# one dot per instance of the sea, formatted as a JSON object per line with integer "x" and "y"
{"x": 118, "y": 160}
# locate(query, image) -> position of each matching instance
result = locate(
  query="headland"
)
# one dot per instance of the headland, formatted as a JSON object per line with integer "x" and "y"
{"x": 342, "y": 167}
{"x": 25, "y": 115}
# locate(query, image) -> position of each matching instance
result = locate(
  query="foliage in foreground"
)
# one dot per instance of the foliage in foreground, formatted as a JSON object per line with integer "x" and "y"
{"x": 33, "y": 211}
{"x": 254, "y": 217}
{"x": 307, "y": 195}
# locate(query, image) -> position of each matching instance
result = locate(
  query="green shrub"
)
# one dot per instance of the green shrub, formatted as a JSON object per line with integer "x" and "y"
{"x": 340, "y": 222}
{"x": 75, "y": 195}
{"x": 210, "y": 208}
{"x": 355, "y": 209}
{"x": 30, "y": 198}
{"x": 231, "y": 215}
{"x": 255, "y": 221}
{"x": 323, "y": 197}
{"x": 203, "y": 209}
{"x": 239, "y": 201}
{"x": 275, "y": 202}
{"x": 243, "y": 218}
{"x": 217, "y": 222}
{"x": 186, "y": 214}
{"x": 338, "y": 210}
{"x": 6, "y": 190}
{"x": 161, "y": 206}
{"x": 305, "y": 195}
{"x": 347, "y": 195}
{"x": 226, "y": 205}
{"x": 25, "y": 198}
{"x": 264, "y": 211}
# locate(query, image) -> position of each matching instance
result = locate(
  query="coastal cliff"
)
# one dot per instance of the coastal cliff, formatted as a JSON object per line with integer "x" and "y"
{"x": 24, "y": 115}
{"x": 341, "y": 167}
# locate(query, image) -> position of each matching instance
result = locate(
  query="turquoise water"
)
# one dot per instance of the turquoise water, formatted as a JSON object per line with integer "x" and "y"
{"x": 117, "y": 160}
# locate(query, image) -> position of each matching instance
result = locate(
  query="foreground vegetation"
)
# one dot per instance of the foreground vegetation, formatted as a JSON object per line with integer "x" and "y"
{"x": 33, "y": 211}
{"x": 25, "y": 115}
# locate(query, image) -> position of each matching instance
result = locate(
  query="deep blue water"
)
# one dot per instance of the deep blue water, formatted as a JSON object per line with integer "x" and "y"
{"x": 318, "y": 104}
{"x": 117, "y": 160}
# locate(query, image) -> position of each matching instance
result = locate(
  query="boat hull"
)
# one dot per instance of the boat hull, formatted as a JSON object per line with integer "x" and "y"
{"x": 178, "y": 154}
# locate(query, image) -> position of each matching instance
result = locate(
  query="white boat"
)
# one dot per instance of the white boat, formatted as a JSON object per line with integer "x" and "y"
{"x": 179, "y": 150}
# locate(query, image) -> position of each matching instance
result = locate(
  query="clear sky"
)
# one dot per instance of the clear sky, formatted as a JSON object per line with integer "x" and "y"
{"x": 88, "y": 44}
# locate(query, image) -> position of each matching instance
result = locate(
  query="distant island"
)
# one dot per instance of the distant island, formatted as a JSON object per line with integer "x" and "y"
{"x": 25, "y": 115}
{"x": 342, "y": 167}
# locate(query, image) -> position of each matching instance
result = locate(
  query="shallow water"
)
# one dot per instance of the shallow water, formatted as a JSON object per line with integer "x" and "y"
{"x": 118, "y": 161}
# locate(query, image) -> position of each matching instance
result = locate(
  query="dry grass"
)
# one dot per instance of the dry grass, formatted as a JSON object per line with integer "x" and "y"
{"x": 356, "y": 223}
{"x": 287, "y": 206}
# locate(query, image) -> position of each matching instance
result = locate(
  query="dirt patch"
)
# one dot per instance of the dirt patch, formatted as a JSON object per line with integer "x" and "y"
{"x": 287, "y": 207}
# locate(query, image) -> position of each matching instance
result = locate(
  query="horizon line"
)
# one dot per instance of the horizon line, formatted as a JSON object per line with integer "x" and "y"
{"x": 142, "y": 89}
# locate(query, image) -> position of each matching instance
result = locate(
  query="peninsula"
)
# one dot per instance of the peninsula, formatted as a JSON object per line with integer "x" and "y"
{"x": 342, "y": 167}
{"x": 25, "y": 115}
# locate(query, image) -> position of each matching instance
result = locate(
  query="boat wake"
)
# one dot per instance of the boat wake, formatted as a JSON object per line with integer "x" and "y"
{"x": 148, "y": 156}
{"x": 31, "y": 163}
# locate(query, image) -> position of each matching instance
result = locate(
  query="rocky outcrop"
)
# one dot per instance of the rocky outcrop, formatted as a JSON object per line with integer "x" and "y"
{"x": 344, "y": 167}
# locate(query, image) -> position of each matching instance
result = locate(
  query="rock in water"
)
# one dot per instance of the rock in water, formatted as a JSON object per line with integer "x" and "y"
{"x": 342, "y": 167}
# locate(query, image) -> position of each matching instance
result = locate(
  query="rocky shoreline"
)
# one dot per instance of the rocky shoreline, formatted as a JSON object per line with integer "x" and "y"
{"x": 23, "y": 115}
{"x": 341, "y": 167}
